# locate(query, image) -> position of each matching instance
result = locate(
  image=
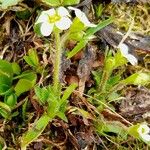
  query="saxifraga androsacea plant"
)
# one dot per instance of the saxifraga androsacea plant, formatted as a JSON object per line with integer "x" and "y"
{"x": 56, "y": 21}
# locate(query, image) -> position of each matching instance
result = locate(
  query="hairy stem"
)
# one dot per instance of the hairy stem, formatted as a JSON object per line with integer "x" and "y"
{"x": 57, "y": 63}
{"x": 104, "y": 79}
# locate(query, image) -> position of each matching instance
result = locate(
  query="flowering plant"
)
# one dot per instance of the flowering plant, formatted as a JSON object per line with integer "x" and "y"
{"x": 125, "y": 52}
{"x": 55, "y": 22}
{"x": 140, "y": 131}
{"x": 144, "y": 132}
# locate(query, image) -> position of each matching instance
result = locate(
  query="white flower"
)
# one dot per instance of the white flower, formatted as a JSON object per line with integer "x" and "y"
{"x": 59, "y": 18}
{"x": 143, "y": 131}
{"x": 124, "y": 51}
{"x": 146, "y": 137}
{"x": 82, "y": 17}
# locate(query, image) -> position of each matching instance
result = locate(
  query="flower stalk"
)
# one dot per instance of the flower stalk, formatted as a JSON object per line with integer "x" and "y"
{"x": 57, "y": 63}
{"x": 59, "y": 46}
{"x": 105, "y": 77}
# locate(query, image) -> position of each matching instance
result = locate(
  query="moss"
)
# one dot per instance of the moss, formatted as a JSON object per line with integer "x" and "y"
{"x": 124, "y": 13}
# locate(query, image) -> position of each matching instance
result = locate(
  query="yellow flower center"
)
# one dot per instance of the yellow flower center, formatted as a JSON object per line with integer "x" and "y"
{"x": 54, "y": 18}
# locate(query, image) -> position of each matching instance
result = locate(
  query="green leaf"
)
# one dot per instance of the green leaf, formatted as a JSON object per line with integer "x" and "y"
{"x": 6, "y": 68}
{"x": 5, "y": 85}
{"x": 8, "y": 3}
{"x": 77, "y": 48}
{"x": 93, "y": 30}
{"x": 85, "y": 114}
{"x": 53, "y": 108}
{"x": 109, "y": 60}
{"x": 23, "y": 14}
{"x": 14, "y": 114}
{"x": 80, "y": 112}
{"x": 98, "y": 10}
{"x": 22, "y": 86}
{"x": 42, "y": 94}
{"x": 53, "y": 94}
{"x": 86, "y": 38}
{"x": 62, "y": 109}
{"x": 68, "y": 91}
{"x": 4, "y": 80}
{"x": 27, "y": 82}
{"x": 24, "y": 108}
{"x": 26, "y": 75}
{"x": 119, "y": 60}
{"x": 16, "y": 68}
{"x": 33, "y": 133}
{"x": 3, "y": 89}
{"x": 4, "y": 114}
{"x": 52, "y": 2}
{"x": 62, "y": 116}
{"x": 32, "y": 58}
{"x": 70, "y": 2}
{"x": 76, "y": 36}
{"x": 103, "y": 127}
{"x": 139, "y": 78}
{"x": 5, "y": 110}
{"x": 76, "y": 26}
{"x": 113, "y": 96}
{"x": 61, "y": 105}
{"x": 11, "y": 100}
{"x": 97, "y": 76}
{"x": 116, "y": 127}
{"x": 132, "y": 130}
{"x": 37, "y": 29}
{"x": 112, "y": 81}
{"x": 60, "y": 2}
{"x": 5, "y": 107}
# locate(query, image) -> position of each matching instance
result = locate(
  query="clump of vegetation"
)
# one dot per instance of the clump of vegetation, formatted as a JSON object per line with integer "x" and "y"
{"x": 125, "y": 14}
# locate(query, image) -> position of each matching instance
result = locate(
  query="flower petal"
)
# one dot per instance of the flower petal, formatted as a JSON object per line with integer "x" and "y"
{"x": 64, "y": 23}
{"x": 145, "y": 137}
{"x": 124, "y": 49}
{"x": 46, "y": 28}
{"x": 82, "y": 17}
{"x": 143, "y": 129}
{"x": 50, "y": 12}
{"x": 133, "y": 60}
{"x": 72, "y": 8}
{"x": 62, "y": 11}
{"x": 42, "y": 18}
